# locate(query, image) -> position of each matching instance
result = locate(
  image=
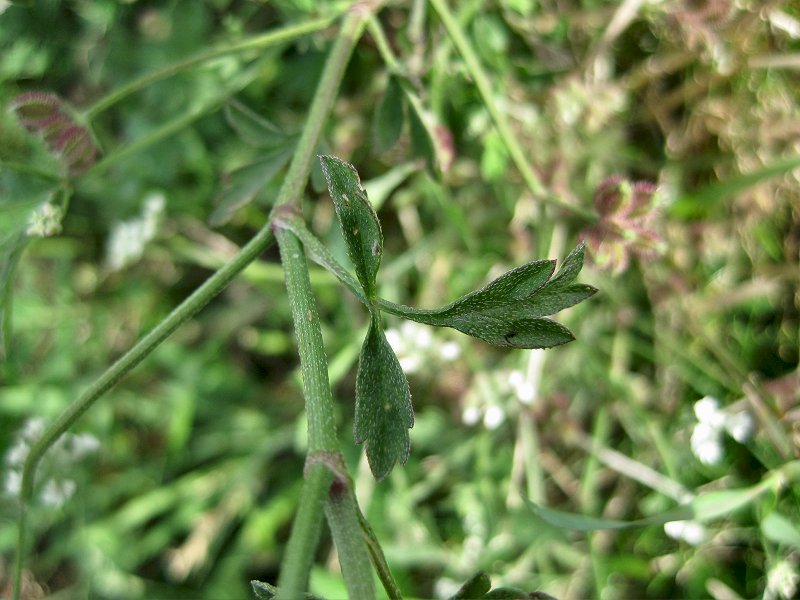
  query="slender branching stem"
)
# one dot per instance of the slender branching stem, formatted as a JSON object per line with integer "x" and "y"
{"x": 313, "y": 364}
{"x": 515, "y": 151}
{"x": 323, "y": 430}
{"x": 261, "y": 41}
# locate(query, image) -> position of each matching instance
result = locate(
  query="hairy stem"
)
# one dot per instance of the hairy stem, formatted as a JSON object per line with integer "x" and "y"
{"x": 313, "y": 364}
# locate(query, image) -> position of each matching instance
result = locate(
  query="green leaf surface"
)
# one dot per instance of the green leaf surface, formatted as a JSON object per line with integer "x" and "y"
{"x": 508, "y": 312}
{"x": 357, "y": 218}
{"x": 245, "y": 182}
{"x": 422, "y": 141}
{"x": 475, "y": 587}
{"x": 780, "y": 530}
{"x": 266, "y": 591}
{"x": 388, "y": 122}
{"x": 383, "y": 403}
{"x": 253, "y": 128}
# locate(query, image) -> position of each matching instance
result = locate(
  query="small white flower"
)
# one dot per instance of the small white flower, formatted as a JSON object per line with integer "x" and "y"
{"x": 782, "y": 580}
{"x": 128, "y": 238}
{"x": 450, "y": 351}
{"x": 707, "y": 411}
{"x": 493, "y": 417}
{"x": 471, "y": 415}
{"x": 33, "y": 429}
{"x": 739, "y": 426}
{"x": 707, "y": 443}
{"x": 410, "y": 363}
{"x": 17, "y": 454}
{"x": 712, "y": 423}
{"x": 691, "y": 532}
{"x": 81, "y": 444}
{"x": 516, "y": 378}
{"x": 13, "y": 483}
{"x": 395, "y": 340}
{"x": 45, "y": 220}
{"x": 56, "y": 493}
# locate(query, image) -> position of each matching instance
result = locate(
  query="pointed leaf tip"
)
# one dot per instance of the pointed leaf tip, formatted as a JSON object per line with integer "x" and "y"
{"x": 357, "y": 219}
{"x": 508, "y": 311}
{"x": 383, "y": 403}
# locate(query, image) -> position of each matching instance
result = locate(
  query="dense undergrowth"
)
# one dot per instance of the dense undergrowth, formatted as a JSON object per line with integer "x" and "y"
{"x": 663, "y": 134}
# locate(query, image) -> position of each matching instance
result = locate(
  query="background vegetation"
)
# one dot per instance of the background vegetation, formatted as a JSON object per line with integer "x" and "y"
{"x": 182, "y": 482}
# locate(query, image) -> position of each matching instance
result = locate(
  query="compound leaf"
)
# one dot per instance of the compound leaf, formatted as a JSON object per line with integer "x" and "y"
{"x": 508, "y": 311}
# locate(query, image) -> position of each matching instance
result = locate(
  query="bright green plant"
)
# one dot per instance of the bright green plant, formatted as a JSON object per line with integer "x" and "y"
{"x": 498, "y": 163}
{"x": 507, "y": 312}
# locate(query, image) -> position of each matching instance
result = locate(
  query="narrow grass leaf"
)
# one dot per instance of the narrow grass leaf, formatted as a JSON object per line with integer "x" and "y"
{"x": 357, "y": 218}
{"x": 705, "y": 507}
{"x": 388, "y": 122}
{"x": 253, "y": 128}
{"x": 244, "y": 183}
{"x": 708, "y": 198}
{"x": 383, "y": 403}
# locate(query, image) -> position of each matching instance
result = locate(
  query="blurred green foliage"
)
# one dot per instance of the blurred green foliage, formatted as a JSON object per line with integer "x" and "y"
{"x": 201, "y": 449}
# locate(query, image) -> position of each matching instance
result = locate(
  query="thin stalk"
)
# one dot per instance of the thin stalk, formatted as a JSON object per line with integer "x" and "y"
{"x": 343, "y": 517}
{"x": 316, "y": 388}
{"x": 306, "y": 529}
{"x": 264, "y": 40}
{"x": 513, "y": 146}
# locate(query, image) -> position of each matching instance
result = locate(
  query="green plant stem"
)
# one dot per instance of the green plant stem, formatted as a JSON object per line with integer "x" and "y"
{"x": 344, "y": 517}
{"x": 515, "y": 151}
{"x": 261, "y": 41}
{"x": 290, "y": 193}
{"x": 319, "y": 401}
{"x": 306, "y": 529}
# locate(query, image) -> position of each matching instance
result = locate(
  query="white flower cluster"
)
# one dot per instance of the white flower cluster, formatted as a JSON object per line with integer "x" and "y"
{"x": 415, "y": 346}
{"x": 488, "y": 395}
{"x": 68, "y": 450}
{"x": 128, "y": 238}
{"x": 45, "y": 220}
{"x": 782, "y": 580}
{"x": 712, "y": 423}
{"x": 691, "y": 532}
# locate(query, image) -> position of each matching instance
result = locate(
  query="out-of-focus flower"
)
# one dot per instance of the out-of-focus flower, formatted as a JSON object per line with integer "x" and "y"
{"x": 627, "y": 224}
{"x": 524, "y": 389}
{"x": 691, "y": 532}
{"x": 493, "y": 417}
{"x": 416, "y": 347}
{"x": 128, "y": 238}
{"x": 712, "y": 423}
{"x": 491, "y": 397}
{"x": 45, "y": 220}
{"x": 68, "y": 450}
{"x": 782, "y": 580}
{"x": 45, "y": 114}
